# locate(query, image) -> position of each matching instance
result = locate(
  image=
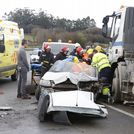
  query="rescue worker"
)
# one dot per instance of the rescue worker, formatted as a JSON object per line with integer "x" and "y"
{"x": 82, "y": 55}
{"x": 100, "y": 49}
{"x": 62, "y": 54}
{"x": 90, "y": 55}
{"x": 79, "y": 53}
{"x": 46, "y": 58}
{"x": 74, "y": 53}
{"x": 101, "y": 62}
{"x": 23, "y": 68}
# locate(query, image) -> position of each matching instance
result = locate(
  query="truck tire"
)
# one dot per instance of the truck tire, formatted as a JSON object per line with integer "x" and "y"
{"x": 116, "y": 93}
{"x": 43, "y": 104}
{"x": 37, "y": 93}
{"x": 14, "y": 77}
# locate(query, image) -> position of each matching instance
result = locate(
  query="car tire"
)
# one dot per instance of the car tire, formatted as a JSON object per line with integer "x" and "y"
{"x": 43, "y": 106}
{"x": 37, "y": 93}
{"x": 14, "y": 77}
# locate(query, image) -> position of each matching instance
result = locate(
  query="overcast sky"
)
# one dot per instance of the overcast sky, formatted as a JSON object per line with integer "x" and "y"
{"x": 69, "y": 9}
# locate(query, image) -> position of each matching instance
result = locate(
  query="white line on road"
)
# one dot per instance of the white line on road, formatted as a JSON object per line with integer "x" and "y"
{"x": 121, "y": 111}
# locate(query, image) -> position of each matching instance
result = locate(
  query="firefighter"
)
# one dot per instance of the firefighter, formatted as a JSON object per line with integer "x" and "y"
{"x": 90, "y": 55}
{"x": 74, "y": 53}
{"x": 46, "y": 58}
{"x": 62, "y": 54}
{"x": 100, "y": 49}
{"x": 101, "y": 62}
{"x": 79, "y": 53}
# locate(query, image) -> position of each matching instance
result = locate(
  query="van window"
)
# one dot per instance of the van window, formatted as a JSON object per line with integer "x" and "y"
{"x": 2, "y": 47}
{"x": 16, "y": 43}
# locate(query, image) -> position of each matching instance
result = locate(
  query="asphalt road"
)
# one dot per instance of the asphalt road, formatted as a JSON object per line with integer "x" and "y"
{"x": 22, "y": 119}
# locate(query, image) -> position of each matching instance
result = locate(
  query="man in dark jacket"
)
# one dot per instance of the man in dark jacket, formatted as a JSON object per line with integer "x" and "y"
{"x": 62, "y": 54}
{"x": 46, "y": 58}
{"x": 23, "y": 68}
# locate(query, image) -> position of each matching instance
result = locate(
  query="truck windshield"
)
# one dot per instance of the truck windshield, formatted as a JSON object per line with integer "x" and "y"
{"x": 113, "y": 26}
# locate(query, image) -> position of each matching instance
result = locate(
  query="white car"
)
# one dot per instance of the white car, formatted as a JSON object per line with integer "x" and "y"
{"x": 68, "y": 87}
{"x": 34, "y": 56}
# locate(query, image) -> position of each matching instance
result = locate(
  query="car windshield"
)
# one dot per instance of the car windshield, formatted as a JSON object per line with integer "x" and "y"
{"x": 65, "y": 66}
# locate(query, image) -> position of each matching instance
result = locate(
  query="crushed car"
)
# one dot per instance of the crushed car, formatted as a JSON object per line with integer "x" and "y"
{"x": 68, "y": 88}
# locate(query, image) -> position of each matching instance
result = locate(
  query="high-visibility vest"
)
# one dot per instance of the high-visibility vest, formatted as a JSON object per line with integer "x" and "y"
{"x": 90, "y": 51}
{"x": 100, "y": 61}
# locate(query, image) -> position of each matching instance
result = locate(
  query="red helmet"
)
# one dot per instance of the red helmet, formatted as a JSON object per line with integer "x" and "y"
{"x": 65, "y": 49}
{"x": 46, "y": 47}
{"x": 79, "y": 50}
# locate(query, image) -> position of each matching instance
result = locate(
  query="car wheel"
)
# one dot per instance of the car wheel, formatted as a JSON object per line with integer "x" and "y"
{"x": 37, "y": 93}
{"x": 14, "y": 77}
{"x": 43, "y": 106}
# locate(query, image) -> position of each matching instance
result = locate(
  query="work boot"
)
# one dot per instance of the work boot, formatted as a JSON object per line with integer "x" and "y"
{"x": 18, "y": 95}
{"x": 26, "y": 97}
{"x": 105, "y": 91}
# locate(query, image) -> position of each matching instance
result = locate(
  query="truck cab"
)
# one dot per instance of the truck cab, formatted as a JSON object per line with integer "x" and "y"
{"x": 119, "y": 28}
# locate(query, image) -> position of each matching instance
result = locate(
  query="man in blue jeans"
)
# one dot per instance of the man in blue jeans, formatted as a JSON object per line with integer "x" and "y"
{"x": 23, "y": 68}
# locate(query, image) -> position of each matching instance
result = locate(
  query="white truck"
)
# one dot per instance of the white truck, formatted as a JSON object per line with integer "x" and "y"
{"x": 119, "y": 28}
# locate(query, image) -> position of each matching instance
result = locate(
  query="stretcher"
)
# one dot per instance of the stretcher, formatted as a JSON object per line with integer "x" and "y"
{"x": 36, "y": 73}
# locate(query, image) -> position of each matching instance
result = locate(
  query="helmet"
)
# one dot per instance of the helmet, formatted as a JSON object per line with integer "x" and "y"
{"x": 99, "y": 49}
{"x": 75, "y": 60}
{"x": 79, "y": 50}
{"x": 46, "y": 47}
{"x": 65, "y": 49}
{"x": 89, "y": 51}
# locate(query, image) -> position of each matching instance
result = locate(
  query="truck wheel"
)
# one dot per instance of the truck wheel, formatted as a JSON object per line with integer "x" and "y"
{"x": 116, "y": 94}
{"x": 43, "y": 106}
{"x": 14, "y": 77}
{"x": 37, "y": 93}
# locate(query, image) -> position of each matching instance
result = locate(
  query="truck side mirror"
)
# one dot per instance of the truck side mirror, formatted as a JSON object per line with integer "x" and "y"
{"x": 2, "y": 48}
{"x": 105, "y": 20}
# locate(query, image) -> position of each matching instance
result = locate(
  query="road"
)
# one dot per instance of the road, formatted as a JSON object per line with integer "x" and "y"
{"x": 22, "y": 119}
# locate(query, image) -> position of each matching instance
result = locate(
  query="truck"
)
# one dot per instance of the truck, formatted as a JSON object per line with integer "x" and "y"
{"x": 10, "y": 40}
{"x": 119, "y": 29}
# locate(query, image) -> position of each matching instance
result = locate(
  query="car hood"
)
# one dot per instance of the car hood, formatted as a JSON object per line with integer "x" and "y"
{"x": 59, "y": 77}
{"x": 77, "y": 102}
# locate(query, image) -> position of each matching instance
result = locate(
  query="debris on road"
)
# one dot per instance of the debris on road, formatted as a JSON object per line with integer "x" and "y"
{"x": 5, "y": 108}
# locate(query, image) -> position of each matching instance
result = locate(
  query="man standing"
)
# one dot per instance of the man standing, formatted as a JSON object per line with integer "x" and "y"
{"x": 23, "y": 68}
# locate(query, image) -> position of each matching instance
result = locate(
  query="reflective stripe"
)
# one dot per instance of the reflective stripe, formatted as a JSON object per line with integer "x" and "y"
{"x": 106, "y": 64}
{"x": 103, "y": 58}
{"x": 100, "y": 61}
